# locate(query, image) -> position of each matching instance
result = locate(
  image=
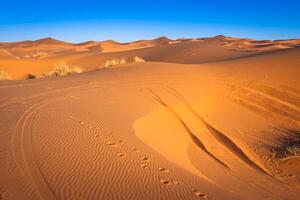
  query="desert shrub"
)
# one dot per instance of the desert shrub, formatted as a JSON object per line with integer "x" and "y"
{"x": 114, "y": 62}
{"x": 63, "y": 69}
{"x": 293, "y": 151}
{"x": 77, "y": 70}
{"x": 123, "y": 61}
{"x": 4, "y": 75}
{"x": 118, "y": 61}
{"x": 30, "y": 76}
{"x": 137, "y": 59}
{"x": 289, "y": 146}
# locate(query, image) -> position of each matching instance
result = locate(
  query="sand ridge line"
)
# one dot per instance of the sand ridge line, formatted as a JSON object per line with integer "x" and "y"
{"x": 219, "y": 136}
{"x": 222, "y": 138}
{"x": 195, "y": 140}
{"x": 258, "y": 187}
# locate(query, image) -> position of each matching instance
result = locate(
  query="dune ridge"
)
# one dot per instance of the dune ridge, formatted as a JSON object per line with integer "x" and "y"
{"x": 37, "y": 57}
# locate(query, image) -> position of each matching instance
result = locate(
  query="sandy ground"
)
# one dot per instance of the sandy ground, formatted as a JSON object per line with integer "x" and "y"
{"x": 155, "y": 130}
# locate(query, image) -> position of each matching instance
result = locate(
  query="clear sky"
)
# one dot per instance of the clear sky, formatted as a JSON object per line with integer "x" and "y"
{"x": 128, "y": 20}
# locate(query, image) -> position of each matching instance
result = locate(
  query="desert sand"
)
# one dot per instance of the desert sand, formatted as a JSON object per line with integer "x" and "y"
{"x": 205, "y": 118}
{"x": 19, "y": 59}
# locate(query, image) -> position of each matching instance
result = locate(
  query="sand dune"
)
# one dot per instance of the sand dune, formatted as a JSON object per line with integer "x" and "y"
{"x": 37, "y": 57}
{"x": 204, "y": 121}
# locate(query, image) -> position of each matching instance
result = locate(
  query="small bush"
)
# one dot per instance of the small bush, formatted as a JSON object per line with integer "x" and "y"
{"x": 137, "y": 59}
{"x": 77, "y": 70}
{"x": 289, "y": 146}
{"x": 4, "y": 75}
{"x": 30, "y": 76}
{"x": 293, "y": 151}
{"x": 114, "y": 62}
{"x": 63, "y": 69}
{"x": 118, "y": 61}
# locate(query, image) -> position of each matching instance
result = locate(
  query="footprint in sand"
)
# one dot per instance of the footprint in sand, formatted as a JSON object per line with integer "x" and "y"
{"x": 168, "y": 181}
{"x": 121, "y": 141}
{"x": 165, "y": 181}
{"x": 200, "y": 195}
{"x": 145, "y": 158}
{"x": 134, "y": 149}
{"x": 113, "y": 144}
{"x": 163, "y": 169}
{"x": 121, "y": 154}
{"x": 145, "y": 161}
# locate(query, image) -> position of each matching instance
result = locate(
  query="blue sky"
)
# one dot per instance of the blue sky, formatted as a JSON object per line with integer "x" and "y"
{"x": 132, "y": 20}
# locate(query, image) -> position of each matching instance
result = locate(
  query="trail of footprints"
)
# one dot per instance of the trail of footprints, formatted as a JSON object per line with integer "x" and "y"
{"x": 144, "y": 162}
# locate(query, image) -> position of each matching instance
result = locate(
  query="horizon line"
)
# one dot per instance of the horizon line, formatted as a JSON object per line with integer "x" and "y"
{"x": 137, "y": 40}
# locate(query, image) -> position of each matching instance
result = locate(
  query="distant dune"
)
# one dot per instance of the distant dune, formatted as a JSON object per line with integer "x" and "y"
{"x": 38, "y": 57}
{"x": 206, "y": 118}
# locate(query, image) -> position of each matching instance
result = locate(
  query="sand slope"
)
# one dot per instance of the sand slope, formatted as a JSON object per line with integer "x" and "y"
{"x": 154, "y": 131}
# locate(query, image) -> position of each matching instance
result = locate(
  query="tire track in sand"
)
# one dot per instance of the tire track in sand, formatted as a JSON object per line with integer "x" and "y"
{"x": 21, "y": 145}
{"x": 24, "y": 150}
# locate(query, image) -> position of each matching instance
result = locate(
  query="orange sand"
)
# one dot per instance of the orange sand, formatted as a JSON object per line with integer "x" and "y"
{"x": 200, "y": 122}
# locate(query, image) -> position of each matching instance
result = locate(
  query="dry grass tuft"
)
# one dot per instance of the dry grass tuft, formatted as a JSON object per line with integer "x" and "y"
{"x": 114, "y": 62}
{"x": 77, "y": 70}
{"x": 137, "y": 59}
{"x": 30, "y": 76}
{"x": 63, "y": 69}
{"x": 293, "y": 151}
{"x": 289, "y": 146}
{"x": 118, "y": 61}
{"x": 4, "y": 75}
